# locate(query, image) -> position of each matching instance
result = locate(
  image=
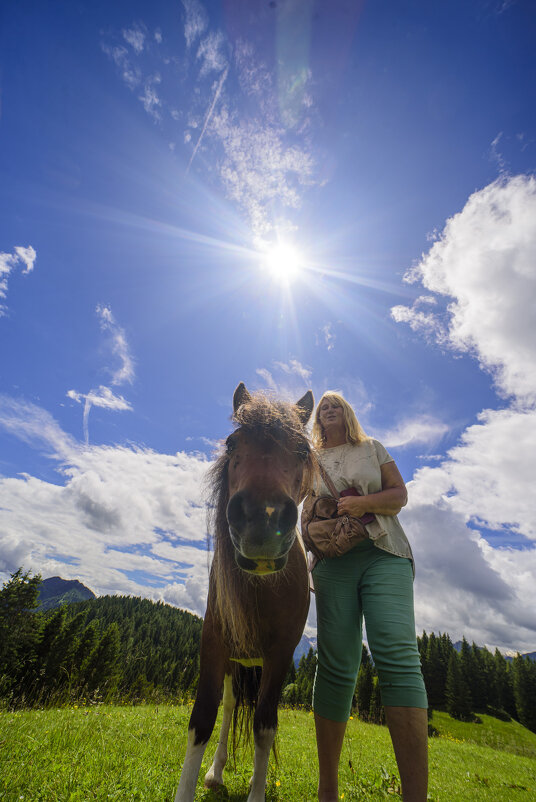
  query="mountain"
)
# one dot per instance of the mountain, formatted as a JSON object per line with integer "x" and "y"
{"x": 55, "y": 591}
{"x": 509, "y": 657}
{"x": 303, "y": 647}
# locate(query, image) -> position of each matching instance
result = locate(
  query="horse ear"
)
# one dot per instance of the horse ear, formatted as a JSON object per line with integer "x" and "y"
{"x": 241, "y": 396}
{"x": 304, "y": 406}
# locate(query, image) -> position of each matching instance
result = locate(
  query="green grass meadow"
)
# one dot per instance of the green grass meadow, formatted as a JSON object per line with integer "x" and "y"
{"x": 135, "y": 753}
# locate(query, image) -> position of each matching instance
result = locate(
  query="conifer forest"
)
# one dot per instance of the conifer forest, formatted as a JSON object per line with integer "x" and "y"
{"x": 132, "y": 650}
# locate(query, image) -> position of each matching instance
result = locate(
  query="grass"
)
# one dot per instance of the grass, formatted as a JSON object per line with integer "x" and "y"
{"x": 132, "y": 754}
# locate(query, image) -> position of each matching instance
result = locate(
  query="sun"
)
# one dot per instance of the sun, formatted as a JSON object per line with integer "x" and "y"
{"x": 283, "y": 261}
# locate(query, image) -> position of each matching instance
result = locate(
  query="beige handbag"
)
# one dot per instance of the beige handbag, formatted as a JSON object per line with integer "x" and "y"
{"x": 324, "y": 532}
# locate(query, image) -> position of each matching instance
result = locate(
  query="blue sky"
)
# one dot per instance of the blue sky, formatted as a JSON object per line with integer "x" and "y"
{"x": 152, "y": 156}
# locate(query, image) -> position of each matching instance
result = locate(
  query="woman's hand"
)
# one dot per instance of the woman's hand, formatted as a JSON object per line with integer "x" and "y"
{"x": 388, "y": 501}
{"x": 356, "y": 506}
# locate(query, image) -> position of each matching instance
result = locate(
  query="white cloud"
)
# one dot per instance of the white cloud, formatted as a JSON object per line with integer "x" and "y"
{"x": 289, "y": 380}
{"x": 329, "y": 336}
{"x": 196, "y": 21}
{"x": 150, "y": 100}
{"x": 135, "y": 37}
{"x": 131, "y": 75}
{"x": 488, "y": 476}
{"x": 119, "y": 346}
{"x": 124, "y": 372}
{"x": 210, "y": 53}
{"x": 259, "y": 169}
{"x": 424, "y": 429}
{"x": 34, "y": 426}
{"x": 471, "y": 517}
{"x": 267, "y": 377}
{"x": 8, "y": 261}
{"x": 295, "y": 367}
{"x": 485, "y": 262}
{"x": 259, "y": 147}
{"x": 103, "y": 397}
{"x": 117, "y": 511}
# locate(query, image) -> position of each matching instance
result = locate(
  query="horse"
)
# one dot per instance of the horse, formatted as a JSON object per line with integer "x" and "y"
{"x": 258, "y": 596}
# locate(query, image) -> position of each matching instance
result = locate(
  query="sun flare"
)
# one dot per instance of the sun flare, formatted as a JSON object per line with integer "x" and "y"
{"x": 283, "y": 262}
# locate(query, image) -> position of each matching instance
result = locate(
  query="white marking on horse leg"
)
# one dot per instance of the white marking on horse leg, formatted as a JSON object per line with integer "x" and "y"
{"x": 190, "y": 769}
{"x": 214, "y": 775}
{"x": 263, "y": 743}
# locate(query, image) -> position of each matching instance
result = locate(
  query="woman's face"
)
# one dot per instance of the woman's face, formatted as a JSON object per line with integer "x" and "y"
{"x": 330, "y": 414}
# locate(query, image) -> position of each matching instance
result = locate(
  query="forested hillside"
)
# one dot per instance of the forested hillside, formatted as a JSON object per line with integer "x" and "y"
{"x": 117, "y": 648}
{"x": 463, "y": 684}
{"x": 109, "y": 648}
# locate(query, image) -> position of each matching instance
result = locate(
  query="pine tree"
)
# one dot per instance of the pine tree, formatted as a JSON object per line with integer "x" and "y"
{"x": 457, "y": 692}
{"x": 435, "y": 676}
{"x": 20, "y": 630}
{"x": 305, "y": 677}
{"x": 525, "y": 691}
{"x": 376, "y": 711}
{"x": 364, "y": 688}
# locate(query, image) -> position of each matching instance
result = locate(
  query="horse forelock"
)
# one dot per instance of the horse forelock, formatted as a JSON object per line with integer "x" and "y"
{"x": 233, "y": 589}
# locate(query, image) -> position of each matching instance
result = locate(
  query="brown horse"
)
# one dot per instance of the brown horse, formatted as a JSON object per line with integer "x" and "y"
{"x": 258, "y": 595}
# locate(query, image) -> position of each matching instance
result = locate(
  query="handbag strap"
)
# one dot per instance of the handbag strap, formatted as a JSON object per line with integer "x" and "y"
{"x": 326, "y": 477}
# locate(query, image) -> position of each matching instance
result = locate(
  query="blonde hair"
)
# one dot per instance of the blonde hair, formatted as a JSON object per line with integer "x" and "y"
{"x": 354, "y": 431}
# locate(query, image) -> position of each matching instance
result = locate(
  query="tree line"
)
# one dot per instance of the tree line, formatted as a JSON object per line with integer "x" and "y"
{"x": 120, "y": 648}
{"x": 107, "y": 649}
{"x": 462, "y": 683}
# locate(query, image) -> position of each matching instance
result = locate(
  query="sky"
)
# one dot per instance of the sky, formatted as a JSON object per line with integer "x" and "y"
{"x": 292, "y": 194}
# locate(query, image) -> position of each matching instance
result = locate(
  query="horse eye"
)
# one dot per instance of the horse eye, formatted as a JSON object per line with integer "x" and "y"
{"x": 230, "y": 444}
{"x": 302, "y": 450}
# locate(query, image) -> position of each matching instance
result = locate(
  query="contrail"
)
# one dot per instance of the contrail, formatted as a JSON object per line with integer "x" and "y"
{"x": 207, "y": 118}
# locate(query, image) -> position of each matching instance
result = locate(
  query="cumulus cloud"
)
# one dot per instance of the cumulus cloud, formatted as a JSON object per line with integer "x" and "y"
{"x": 122, "y": 520}
{"x": 470, "y": 516}
{"x": 484, "y": 264}
{"x": 8, "y": 261}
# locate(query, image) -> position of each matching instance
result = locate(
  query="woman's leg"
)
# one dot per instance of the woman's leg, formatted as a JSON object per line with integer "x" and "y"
{"x": 339, "y": 654}
{"x": 387, "y": 600}
{"x": 408, "y": 727}
{"x": 329, "y": 740}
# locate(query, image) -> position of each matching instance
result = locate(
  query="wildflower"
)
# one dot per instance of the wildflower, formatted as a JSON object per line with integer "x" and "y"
{"x": 277, "y": 783}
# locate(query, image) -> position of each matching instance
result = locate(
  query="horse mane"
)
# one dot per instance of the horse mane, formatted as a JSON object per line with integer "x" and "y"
{"x": 235, "y": 596}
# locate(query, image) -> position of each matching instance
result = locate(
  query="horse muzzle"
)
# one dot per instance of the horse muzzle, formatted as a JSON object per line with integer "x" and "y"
{"x": 260, "y": 567}
{"x": 262, "y": 533}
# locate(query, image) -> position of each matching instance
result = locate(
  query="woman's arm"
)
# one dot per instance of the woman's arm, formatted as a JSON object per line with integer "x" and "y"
{"x": 388, "y": 501}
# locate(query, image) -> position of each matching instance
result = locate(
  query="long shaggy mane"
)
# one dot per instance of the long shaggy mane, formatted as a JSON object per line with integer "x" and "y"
{"x": 234, "y": 591}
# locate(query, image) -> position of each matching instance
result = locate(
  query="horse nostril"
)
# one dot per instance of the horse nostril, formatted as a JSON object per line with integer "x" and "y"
{"x": 235, "y": 511}
{"x": 288, "y": 517}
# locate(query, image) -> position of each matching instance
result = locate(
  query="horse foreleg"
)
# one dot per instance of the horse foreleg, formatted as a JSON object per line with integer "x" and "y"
{"x": 190, "y": 769}
{"x": 205, "y": 709}
{"x": 214, "y": 776}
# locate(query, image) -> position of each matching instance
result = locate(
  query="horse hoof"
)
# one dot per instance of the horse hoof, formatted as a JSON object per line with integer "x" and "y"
{"x": 213, "y": 783}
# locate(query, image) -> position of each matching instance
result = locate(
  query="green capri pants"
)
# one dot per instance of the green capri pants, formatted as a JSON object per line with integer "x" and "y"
{"x": 371, "y": 583}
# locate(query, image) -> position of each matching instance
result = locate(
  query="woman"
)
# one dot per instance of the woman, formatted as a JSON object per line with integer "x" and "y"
{"x": 373, "y": 580}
